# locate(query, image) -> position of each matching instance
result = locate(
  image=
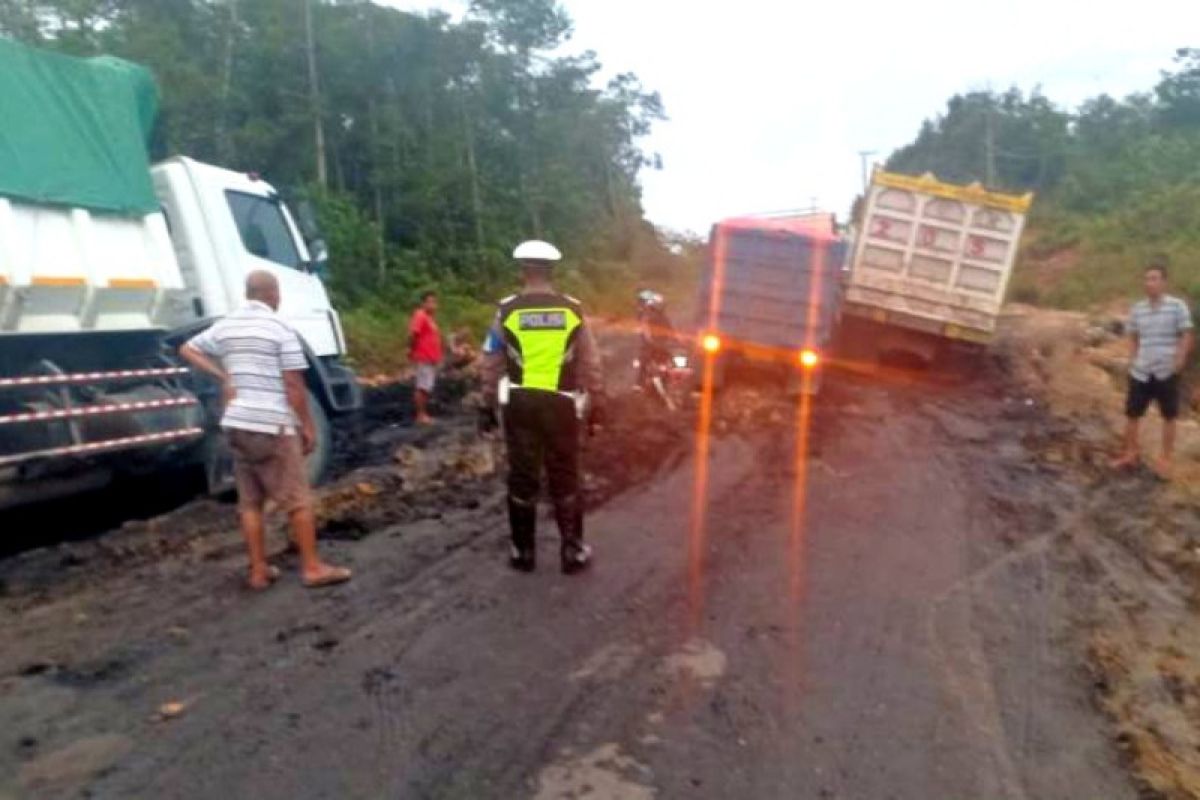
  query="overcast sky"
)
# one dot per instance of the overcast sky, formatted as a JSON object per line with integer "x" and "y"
{"x": 771, "y": 100}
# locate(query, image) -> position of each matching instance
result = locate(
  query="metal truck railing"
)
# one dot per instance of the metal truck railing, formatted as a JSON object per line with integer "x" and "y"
{"x": 70, "y": 412}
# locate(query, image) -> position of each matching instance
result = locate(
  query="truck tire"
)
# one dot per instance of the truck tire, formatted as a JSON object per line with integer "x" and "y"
{"x": 218, "y": 461}
{"x": 321, "y": 457}
{"x": 799, "y": 383}
{"x": 718, "y": 374}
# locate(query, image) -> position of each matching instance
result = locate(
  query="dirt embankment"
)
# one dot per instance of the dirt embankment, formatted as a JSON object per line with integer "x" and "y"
{"x": 1135, "y": 540}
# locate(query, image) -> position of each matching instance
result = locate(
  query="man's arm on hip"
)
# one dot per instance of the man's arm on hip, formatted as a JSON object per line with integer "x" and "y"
{"x": 205, "y": 363}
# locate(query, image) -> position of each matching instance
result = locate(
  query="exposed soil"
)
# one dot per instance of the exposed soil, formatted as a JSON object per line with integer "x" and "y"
{"x": 921, "y": 597}
{"x": 1135, "y": 541}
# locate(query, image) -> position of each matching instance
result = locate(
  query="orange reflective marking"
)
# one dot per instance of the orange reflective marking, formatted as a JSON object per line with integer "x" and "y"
{"x": 132, "y": 283}
{"x": 49, "y": 280}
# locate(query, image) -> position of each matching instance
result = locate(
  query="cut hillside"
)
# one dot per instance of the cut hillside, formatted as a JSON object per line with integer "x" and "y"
{"x": 1080, "y": 261}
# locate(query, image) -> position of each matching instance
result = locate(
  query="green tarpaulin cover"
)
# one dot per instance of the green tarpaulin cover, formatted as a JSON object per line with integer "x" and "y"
{"x": 74, "y": 131}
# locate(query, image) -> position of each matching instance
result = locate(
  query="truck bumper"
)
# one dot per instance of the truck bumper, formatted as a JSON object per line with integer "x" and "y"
{"x": 912, "y": 322}
{"x": 337, "y": 386}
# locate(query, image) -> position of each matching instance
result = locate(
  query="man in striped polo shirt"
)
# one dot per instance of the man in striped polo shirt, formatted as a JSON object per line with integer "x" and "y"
{"x": 1162, "y": 337}
{"x": 260, "y": 364}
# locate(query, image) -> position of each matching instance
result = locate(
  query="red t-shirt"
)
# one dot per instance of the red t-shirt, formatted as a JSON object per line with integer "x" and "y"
{"x": 426, "y": 341}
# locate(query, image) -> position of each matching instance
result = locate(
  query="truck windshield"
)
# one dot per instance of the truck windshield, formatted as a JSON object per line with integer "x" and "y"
{"x": 264, "y": 231}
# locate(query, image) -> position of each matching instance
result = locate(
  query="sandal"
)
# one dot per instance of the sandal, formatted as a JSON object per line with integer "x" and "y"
{"x": 272, "y": 576}
{"x": 331, "y": 577}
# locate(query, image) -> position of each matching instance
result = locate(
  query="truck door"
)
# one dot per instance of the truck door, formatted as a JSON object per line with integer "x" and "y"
{"x": 271, "y": 242}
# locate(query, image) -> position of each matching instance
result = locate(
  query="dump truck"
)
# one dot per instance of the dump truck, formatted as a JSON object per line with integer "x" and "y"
{"x": 108, "y": 263}
{"x": 932, "y": 260}
{"x": 771, "y": 295}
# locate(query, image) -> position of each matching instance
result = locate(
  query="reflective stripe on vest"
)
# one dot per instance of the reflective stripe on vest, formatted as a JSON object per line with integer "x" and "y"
{"x": 542, "y": 335}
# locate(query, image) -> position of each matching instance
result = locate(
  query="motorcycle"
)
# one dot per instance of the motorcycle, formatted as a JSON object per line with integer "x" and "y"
{"x": 668, "y": 377}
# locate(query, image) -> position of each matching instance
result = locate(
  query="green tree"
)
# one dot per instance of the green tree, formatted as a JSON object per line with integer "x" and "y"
{"x": 431, "y": 145}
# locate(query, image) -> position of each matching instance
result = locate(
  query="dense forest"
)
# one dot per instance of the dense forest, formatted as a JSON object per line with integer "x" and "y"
{"x": 431, "y": 145}
{"x": 1118, "y": 180}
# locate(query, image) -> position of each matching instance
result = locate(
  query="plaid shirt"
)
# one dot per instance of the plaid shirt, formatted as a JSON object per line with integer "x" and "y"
{"x": 1158, "y": 329}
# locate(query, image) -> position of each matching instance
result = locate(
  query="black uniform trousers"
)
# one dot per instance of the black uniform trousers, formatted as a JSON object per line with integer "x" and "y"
{"x": 542, "y": 428}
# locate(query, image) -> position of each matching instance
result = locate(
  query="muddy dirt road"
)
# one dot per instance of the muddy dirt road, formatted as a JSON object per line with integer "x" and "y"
{"x": 911, "y": 637}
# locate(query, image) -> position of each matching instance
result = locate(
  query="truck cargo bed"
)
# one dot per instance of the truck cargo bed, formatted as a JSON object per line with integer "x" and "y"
{"x": 935, "y": 257}
{"x": 772, "y": 287}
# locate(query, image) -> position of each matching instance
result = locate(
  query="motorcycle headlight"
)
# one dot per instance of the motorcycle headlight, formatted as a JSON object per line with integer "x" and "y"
{"x": 680, "y": 361}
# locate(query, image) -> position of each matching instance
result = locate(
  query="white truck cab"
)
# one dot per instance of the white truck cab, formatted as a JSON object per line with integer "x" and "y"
{"x": 108, "y": 263}
{"x": 92, "y": 307}
{"x": 68, "y": 270}
{"x": 226, "y": 224}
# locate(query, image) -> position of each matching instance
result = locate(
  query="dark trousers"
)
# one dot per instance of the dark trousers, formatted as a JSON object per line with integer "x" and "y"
{"x": 541, "y": 428}
{"x": 651, "y": 352}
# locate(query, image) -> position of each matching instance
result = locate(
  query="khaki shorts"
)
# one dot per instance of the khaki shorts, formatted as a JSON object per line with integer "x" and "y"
{"x": 269, "y": 466}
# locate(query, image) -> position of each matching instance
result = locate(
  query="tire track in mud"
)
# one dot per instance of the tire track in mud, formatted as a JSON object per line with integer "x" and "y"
{"x": 969, "y": 673}
{"x": 573, "y": 744}
{"x": 1013, "y": 600}
{"x": 983, "y": 435}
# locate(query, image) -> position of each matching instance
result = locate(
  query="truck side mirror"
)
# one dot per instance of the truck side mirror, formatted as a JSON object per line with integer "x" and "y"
{"x": 319, "y": 263}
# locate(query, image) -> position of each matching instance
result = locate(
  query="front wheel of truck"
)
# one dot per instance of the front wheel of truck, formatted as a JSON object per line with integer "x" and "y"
{"x": 218, "y": 460}
{"x": 321, "y": 457}
{"x": 804, "y": 382}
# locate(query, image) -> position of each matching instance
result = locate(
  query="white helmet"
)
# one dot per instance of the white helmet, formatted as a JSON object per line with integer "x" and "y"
{"x": 535, "y": 250}
{"x": 648, "y": 298}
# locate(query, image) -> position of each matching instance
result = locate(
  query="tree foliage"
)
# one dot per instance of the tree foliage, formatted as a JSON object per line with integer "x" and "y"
{"x": 1116, "y": 179}
{"x": 1086, "y": 160}
{"x": 443, "y": 142}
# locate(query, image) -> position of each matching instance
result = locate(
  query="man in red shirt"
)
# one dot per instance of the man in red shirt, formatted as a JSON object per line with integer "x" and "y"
{"x": 425, "y": 352}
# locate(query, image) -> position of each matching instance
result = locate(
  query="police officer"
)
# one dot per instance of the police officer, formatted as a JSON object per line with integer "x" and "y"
{"x": 542, "y": 369}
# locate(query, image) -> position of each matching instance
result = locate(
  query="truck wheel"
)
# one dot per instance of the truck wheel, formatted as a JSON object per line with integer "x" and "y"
{"x": 218, "y": 465}
{"x": 321, "y": 457}
{"x": 961, "y": 362}
{"x": 218, "y": 461}
{"x": 799, "y": 383}
{"x": 718, "y": 374}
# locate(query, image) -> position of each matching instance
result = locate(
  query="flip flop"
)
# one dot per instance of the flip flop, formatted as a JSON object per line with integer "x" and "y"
{"x": 334, "y": 576}
{"x": 1162, "y": 470}
{"x": 272, "y": 576}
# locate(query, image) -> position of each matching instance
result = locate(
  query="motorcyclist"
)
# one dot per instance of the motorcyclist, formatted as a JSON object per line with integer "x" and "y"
{"x": 655, "y": 331}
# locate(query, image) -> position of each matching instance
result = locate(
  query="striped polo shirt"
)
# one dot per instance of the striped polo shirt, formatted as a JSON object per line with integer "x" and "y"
{"x": 1158, "y": 328}
{"x": 255, "y": 347}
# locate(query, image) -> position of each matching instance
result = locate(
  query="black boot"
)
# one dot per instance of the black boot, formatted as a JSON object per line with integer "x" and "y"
{"x": 522, "y": 521}
{"x": 576, "y": 556}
